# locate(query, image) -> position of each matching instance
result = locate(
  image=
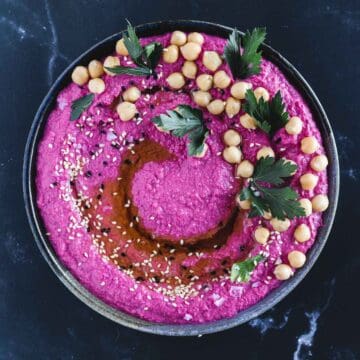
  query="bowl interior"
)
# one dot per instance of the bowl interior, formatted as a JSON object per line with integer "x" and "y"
{"x": 29, "y": 169}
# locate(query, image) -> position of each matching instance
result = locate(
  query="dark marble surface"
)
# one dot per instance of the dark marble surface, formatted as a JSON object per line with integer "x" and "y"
{"x": 40, "y": 319}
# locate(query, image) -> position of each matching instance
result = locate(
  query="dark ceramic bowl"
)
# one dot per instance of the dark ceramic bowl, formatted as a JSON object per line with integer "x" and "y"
{"x": 106, "y": 47}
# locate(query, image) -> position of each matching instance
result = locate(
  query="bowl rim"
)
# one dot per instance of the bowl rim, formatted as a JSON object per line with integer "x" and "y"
{"x": 118, "y": 316}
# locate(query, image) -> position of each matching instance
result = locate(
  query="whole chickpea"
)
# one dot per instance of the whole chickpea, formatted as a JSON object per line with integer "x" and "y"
{"x": 176, "y": 80}
{"x": 110, "y": 62}
{"x": 202, "y": 98}
{"x": 190, "y": 51}
{"x": 232, "y": 155}
{"x": 96, "y": 86}
{"x": 189, "y": 69}
{"x": 120, "y": 48}
{"x": 238, "y": 90}
{"x": 211, "y": 60}
{"x": 80, "y": 75}
{"x": 302, "y": 233}
{"x": 196, "y": 38}
{"x": 178, "y": 38}
{"x": 320, "y": 203}
{"x": 308, "y": 181}
{"x": 248, "y": 122}
{"x": 171, "y": 54}
{"x": 261, "y": 235}
{"x": 306, "y": 205}
{"x": 132, "y": 94}
{"x": 243, "y": 204}
{"x": 204, "y": 82}
{"x": 319, "y": 163}
{"x": 280, "y": 225}
{"x": 221, "y": 79}
{"x": 309, "y": 145}
{"x": 95, "y": 69}
{"x": 126, "y": 110}
{"x": 283, "y": 272}
{"x": 232, "y": 138}
{"x": 245, "y": 169}
{"x": 261, "y": 92}
{"x": 232, "y": 107}
{"x": 296, "y": 259}
{"x": 294, "y": 126}
{"x": 216, "y": 107}
{"x": 264, "y": 152}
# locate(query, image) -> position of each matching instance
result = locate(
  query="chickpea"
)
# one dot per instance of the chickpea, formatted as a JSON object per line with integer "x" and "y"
{"x": 204, "y": 82}
{"x": 320, "y": 203}
{"x": 267, "y": 215}
{"x": 232, "y": 138}
{"x": 261, "y": 235}
{"x": 306, "y": 205}
{"x": 132, "y": 94}
{"x": 189, "y": 69}
{"x": 190, "y": 51}
{"x": 261, "y": 92}
{"x": 296, "y": 259}
{"x": 216, "y": 107}
{"x": 95, "y": 69}
{"x": 238, "y": 90}
{"x": 221, "y": 79}
{"x": 245, "y": 169}
{"x": 126, "y": 110}
{"x": 120, "y": 48}
{"x": 232, "y": 155}
{"x": 96, "y": 86}
{"x": 203, "y": 152}
{"x": 80, "y": 75}
{"x": 232, "y": 107}
{"x": 248, "y": 122}
{"x": 294, "y": 126}
{"x": 178, "y": 38}
{"x": 264, "y": 152}
{"x": 243, "y": 204}
{"x": 309, "y": 145}
{"x": 302, "y": 233}
{"x": 319, "y": 163}
{"x": 308, "y": 181}
{"x": 176, "y": 80}
{"x": 211, "y": 60}
{"x": 110, "y": 62}
{"x": 171, "y": 54}
{"x": 202, "y": 98}
{"x": 280, "y": 225}
{"x": 196, "y": 38}
{"x": 283, "y": 272}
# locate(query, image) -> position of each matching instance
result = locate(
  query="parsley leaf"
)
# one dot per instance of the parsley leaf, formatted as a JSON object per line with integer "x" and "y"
{"x": 185, "y": 120}
{"x": 80, "y": 105}
{"x": 146, "y": 58}
{"x": 281, "y": 202}
{"x": 246, "y": 61}
{"x": 241, "y": 271}
{"x": 270, "y": 115}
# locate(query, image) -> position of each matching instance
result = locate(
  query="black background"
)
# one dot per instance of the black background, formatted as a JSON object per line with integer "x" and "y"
{"x": 40, "y": 319}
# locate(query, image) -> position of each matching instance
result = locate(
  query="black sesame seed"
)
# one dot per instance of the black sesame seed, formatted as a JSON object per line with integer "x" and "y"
{"x": 123, "y": 254}
{"x": 152, "y": 106}
{"x": 127, "y": 162}
{"x": 123, "y": 88}
{"x": 242, "y": 247}
{"x": 131, "y": 82}
{"x": 102, "y": 186}
{"x": 171, "y": 258}
{"x": 72, "y": 182}
{"x": 213, "y": 272}
{"x": 139, "y": 278}
{"x": 88, "y": 174}
{"x": 105, "y": 163}
{"x": 156, "y": 279}
{"x": 54, "y": 183}
{"x": 98, "y": 196}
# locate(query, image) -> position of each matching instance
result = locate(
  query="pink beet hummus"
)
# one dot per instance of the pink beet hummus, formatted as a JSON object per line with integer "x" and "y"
{"x": 134, "y": 232}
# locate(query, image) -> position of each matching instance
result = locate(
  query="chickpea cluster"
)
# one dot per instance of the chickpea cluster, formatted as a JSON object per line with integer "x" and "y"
{"x": 90, "y": 75}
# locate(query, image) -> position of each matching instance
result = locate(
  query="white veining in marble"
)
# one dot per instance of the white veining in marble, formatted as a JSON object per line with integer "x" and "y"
{"x": 18, "y": 29}
{"x": 267, "y": 323}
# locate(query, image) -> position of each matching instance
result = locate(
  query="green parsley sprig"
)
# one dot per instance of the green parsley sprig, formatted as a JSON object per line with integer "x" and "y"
{"x": 270, "y": 115}
{"x": 281, "y": 202}
{"x": 242, "y": 54}
{"x": 146, "y": 58}
{"x": 241, "y": 271}
{"x": 80, "y": 105}
{"x": 185, "y": 120}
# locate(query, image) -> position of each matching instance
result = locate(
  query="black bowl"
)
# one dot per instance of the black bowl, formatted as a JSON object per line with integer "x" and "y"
{"x": 29, "y": 168}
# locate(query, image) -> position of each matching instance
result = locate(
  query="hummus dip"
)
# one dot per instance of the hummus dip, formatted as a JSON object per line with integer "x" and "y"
{"x": 146, "y": 227}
